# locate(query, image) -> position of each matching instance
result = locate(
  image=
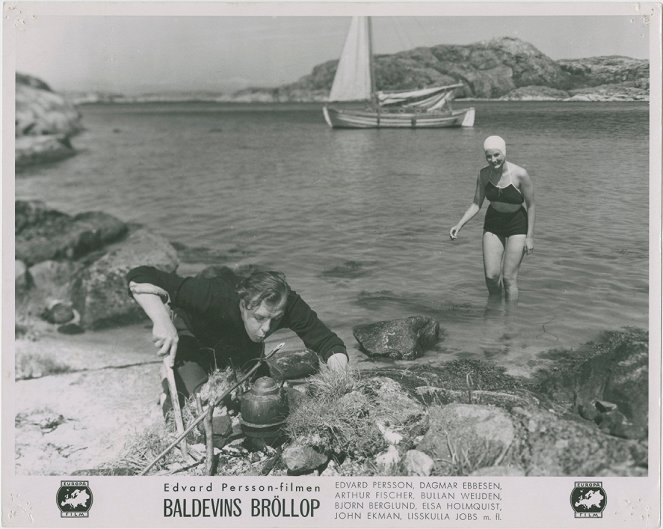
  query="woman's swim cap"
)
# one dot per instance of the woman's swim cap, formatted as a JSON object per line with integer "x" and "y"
{"x": 495, "y": 143}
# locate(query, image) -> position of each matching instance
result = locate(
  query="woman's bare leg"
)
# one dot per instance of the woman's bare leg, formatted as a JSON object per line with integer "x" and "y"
{"x": 513, "y": 256}
{"x": 493, "y": 251}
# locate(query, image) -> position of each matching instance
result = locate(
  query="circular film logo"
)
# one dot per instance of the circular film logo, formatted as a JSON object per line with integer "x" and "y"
{"x": 74, "y": 499}
{"x": 588, "y": 499}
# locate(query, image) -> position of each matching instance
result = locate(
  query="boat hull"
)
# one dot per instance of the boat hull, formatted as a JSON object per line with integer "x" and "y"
{"x": 338, "y": 118}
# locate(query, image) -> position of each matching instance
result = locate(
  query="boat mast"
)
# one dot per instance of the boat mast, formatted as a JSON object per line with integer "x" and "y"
{"x": 371, "y": 63}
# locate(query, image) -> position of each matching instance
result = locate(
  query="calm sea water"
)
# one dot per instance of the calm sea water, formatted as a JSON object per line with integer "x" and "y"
{"x": 359, "y": 220}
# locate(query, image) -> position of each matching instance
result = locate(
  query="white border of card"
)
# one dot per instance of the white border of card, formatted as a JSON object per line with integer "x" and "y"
{"x": 308, "y": 501}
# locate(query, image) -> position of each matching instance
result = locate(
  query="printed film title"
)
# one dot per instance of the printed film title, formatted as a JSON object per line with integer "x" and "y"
{"x": 273, "y": 506}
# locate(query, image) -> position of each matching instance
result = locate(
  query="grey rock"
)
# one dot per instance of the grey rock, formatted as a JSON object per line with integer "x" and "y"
{"x": 535, "y": 93}
{"x": 22, "y": 278}
{"x": 395, "y": 407}
{"x": 463, "y": 437}
{"x": 613, "y": 369}
{"x": 403, "y": 339}
{"x": 58, "y": 312}
{"x": 100, "y": 293}
{"x": 44, "y": 122}
{"x": 435, "y": 395}
{"x": 71, "y": 328}
{"x": 562, "y": 447}
{"x": 289, "y": 365}
{"x": 417, "y": 463}
{"x": 300, "y": 459}
{"x": 53, "y": 278}
{"x": 31, "y": 150}
{"x": 41, "y": 111}
{"x": 44, "y": 234}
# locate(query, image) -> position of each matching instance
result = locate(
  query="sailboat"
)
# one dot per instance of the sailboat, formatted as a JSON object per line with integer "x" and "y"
{"x": 355, "y": 103}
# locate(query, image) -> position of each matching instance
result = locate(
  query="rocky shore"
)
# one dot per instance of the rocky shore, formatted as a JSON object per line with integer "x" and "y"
{"x": 586, "y": 413}
{"x": 503, "y": 68}
{"x": 45, "y": 123}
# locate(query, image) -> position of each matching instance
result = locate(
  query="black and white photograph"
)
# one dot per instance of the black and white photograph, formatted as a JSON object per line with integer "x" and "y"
{"x": 317, "y": 264}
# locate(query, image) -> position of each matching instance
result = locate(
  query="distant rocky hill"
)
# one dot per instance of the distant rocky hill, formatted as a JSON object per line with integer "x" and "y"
{"x": 505, "y": 67}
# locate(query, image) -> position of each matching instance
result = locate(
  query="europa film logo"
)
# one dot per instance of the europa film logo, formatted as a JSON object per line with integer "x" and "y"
{"x": 588, "y": 499}
{"x": 74, "y": 499}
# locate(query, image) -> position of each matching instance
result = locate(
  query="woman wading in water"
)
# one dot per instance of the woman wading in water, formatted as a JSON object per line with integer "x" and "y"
{"x": 508, "y": 230}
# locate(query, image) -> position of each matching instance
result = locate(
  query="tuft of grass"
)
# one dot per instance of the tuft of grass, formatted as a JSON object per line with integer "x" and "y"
{"x": 334, "y": 416}
{"x": 143, "y": 446}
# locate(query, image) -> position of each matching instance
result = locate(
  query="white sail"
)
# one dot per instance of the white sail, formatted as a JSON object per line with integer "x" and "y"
{"x": 353, "y": 74}
{"x": 425, "y": 97}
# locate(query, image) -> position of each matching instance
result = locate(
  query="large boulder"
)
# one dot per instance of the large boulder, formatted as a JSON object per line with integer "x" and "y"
{"x": 404, "y": 339}
{"x": 606, "y": 381}
{"x": 42, "y": 149}
{"x": 43, "y": 233}
{"x": 464, "y": 437}
{"x": 40, "y": 110}
{"x": 99, "y": 292}
{"x": 44, "y": 122}
{"x": 559, "y": 446}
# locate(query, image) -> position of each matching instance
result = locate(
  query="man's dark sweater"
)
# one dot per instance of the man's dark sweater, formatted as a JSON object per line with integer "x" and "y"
{"x": 210, "y": 308}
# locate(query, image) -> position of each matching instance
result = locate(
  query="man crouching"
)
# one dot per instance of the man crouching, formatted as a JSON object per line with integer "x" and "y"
{"x": 215, "y": 322}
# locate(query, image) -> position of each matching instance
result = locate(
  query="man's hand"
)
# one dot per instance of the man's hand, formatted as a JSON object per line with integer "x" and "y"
{"x": 337, "y": 362}
{"x": 164, "y": 336}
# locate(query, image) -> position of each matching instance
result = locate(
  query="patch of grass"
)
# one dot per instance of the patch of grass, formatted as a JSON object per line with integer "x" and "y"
{"x": 335, "y": 416}
{"x": 142, "y": 447}
{"x": 34, "y": 365}
{"x": 463, "y": 460}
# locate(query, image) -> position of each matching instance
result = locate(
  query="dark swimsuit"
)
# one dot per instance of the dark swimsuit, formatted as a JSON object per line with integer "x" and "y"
{"x": 505, "y": 224}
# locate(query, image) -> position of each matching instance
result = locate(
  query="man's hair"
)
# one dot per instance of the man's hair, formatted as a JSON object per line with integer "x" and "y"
{"x": 270, "y": 287}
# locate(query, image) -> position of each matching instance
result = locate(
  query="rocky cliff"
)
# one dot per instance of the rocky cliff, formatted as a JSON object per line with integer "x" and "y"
{"x": 44, "y": 122}
{"x": 505, "y": 67}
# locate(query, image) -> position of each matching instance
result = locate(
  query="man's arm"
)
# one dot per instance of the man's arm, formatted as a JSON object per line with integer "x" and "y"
{"x": 164, "y": 334}
{"x": 300, "y": 318}
{"x": 190, "y": 293}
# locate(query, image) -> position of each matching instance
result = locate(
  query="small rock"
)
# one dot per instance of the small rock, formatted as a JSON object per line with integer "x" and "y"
{"x": 604, "y": 406}
{"x": 58, "y": 312}
{"x": 388, "y": 460}
{"x": 22, "y": 278}
{"x": 418, "y": 463}
{"x": 331, "y": 469}
{"x": 404, "y": 339}
{"x": 616, "y": 423}
{"x": 300, "y": 459}
{"x": 221, "y": 425}
{"x": 289, "y": 365}
{"x": 71, "y": 328}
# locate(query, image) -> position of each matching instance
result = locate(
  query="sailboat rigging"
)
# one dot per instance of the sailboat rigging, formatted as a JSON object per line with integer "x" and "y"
{"x": 354, "y": 83}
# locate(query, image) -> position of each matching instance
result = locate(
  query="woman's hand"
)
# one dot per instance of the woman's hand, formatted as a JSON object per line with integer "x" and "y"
{"x": 529, "y": 245}
{"x": 164, "y": 336}
{"x": 453, "y": 232}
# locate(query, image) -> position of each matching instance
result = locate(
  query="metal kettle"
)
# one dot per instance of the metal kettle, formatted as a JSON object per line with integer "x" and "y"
{"x": 264, "y": 409}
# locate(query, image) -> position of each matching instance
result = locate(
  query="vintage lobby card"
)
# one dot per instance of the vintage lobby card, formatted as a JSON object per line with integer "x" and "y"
{"x": 331, "y": 265}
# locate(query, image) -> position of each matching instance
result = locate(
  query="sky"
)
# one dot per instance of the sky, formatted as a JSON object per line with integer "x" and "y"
{"x": 138, "y": 54}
